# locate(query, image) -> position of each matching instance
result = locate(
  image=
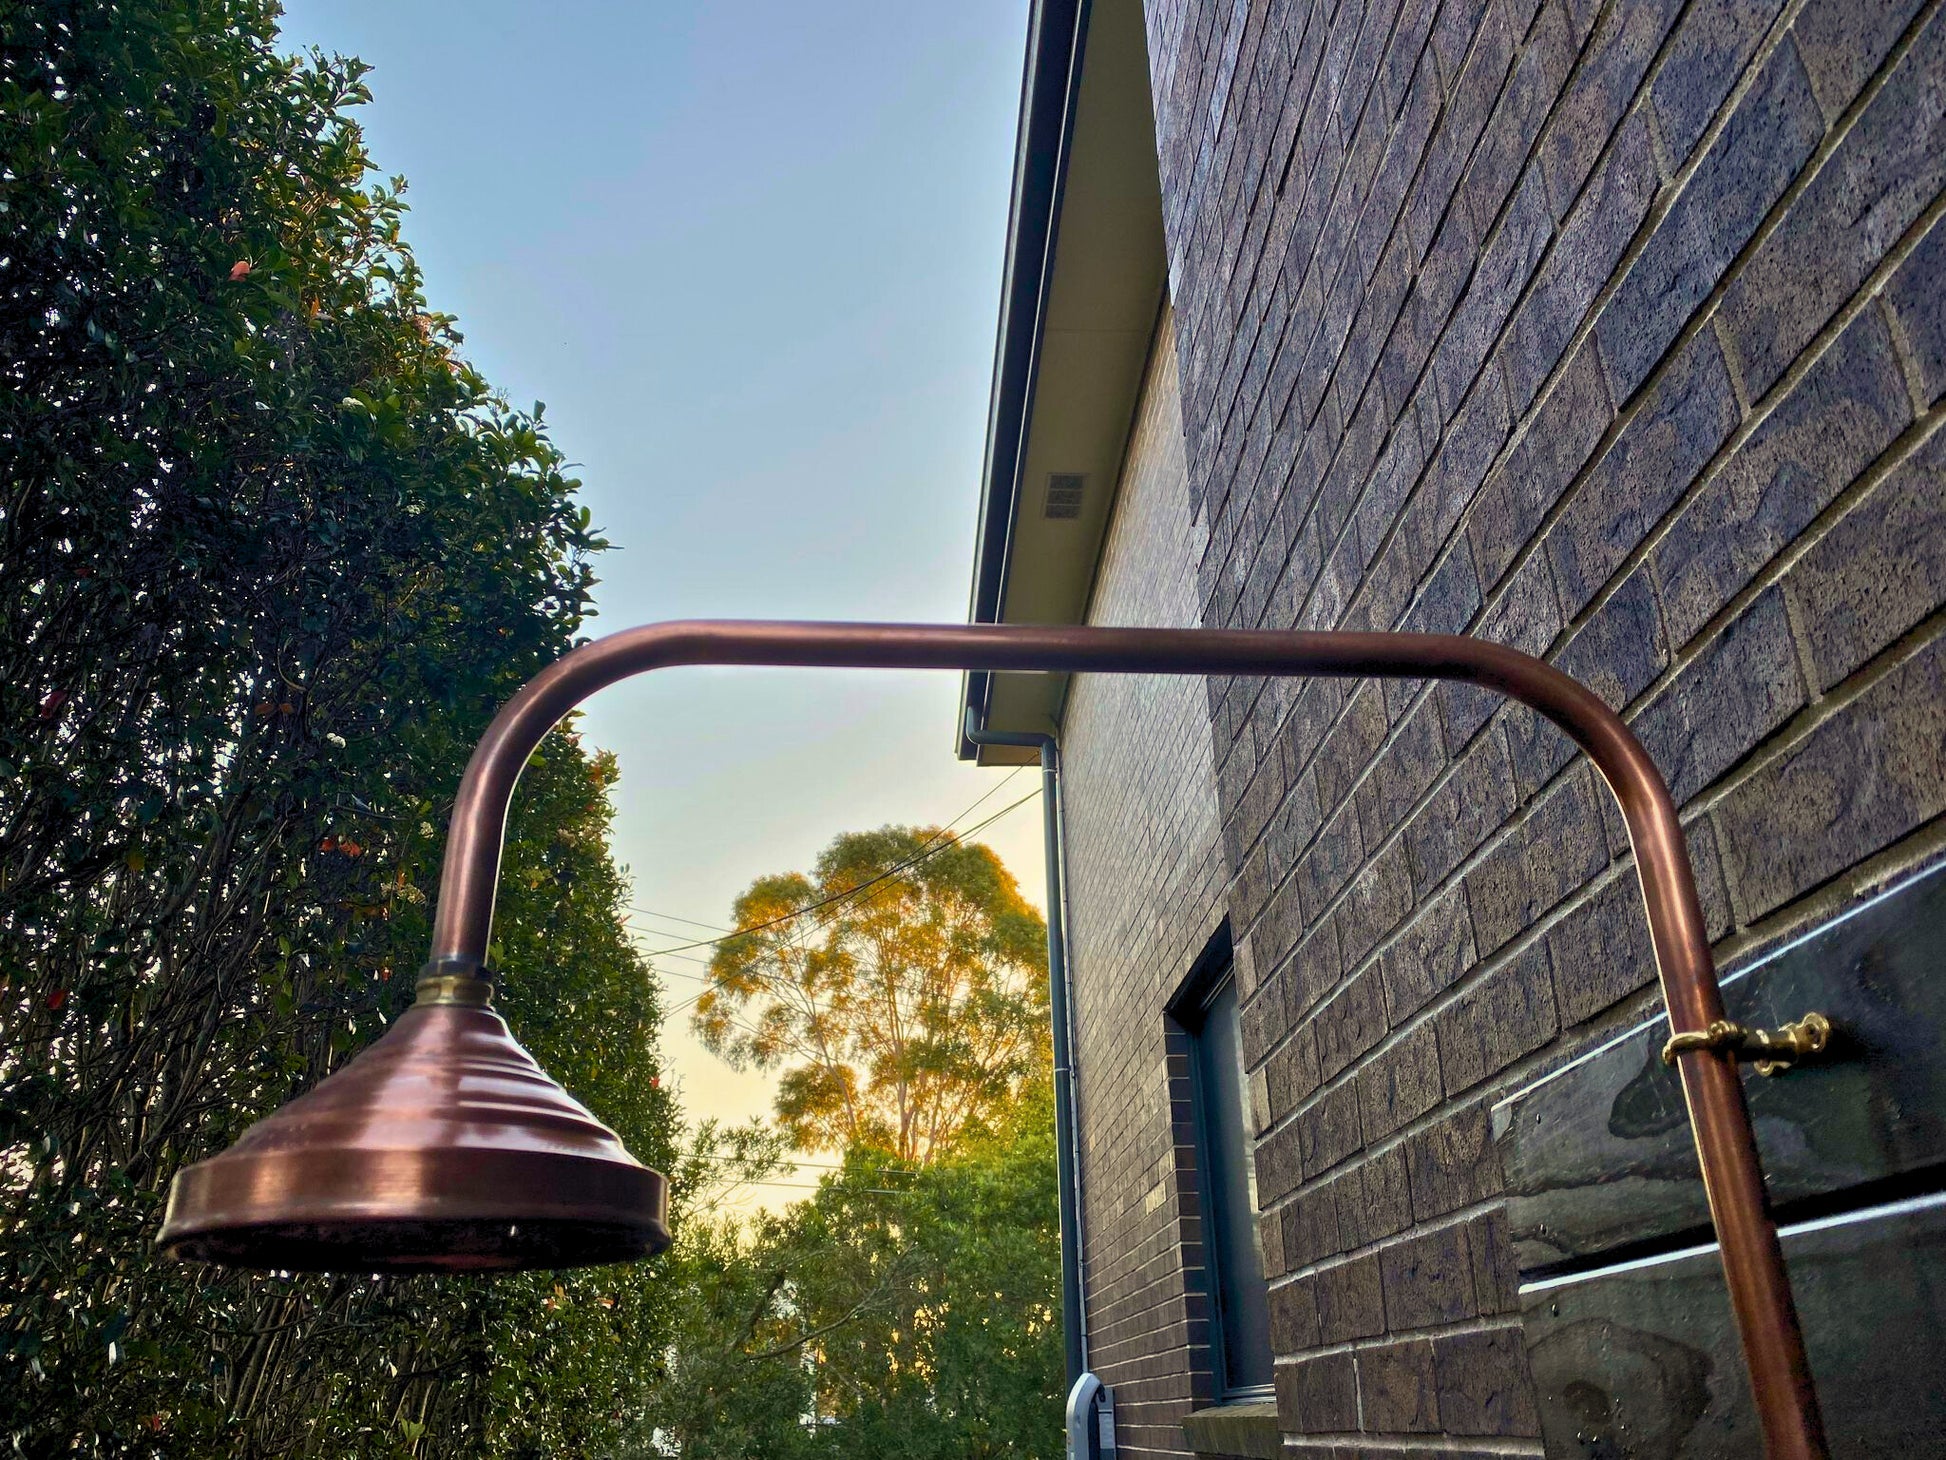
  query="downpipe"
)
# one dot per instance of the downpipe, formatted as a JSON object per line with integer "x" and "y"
{"x": 1074, "y": 1335}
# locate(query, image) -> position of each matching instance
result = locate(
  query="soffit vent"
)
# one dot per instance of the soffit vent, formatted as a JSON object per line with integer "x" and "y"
{"x": 1064, "y": 492}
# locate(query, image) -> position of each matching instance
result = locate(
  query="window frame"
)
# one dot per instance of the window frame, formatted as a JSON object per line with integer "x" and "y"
{"x": 1187, "y": 1015}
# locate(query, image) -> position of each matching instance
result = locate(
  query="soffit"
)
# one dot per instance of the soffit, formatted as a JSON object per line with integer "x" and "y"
{"x": 1098, "y": 316}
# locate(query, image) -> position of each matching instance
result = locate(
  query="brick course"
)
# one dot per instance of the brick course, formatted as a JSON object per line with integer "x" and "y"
{"x": 1611, "y": 331}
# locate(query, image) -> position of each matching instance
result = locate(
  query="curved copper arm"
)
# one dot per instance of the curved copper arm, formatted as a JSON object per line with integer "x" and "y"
{"x": 1752, "y": 1260}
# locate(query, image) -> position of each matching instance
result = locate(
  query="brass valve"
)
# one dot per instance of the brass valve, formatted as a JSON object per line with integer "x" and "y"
{"x": 1772, "y": 1050}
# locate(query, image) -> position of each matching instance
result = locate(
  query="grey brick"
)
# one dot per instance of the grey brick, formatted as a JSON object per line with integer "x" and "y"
{"x": 1453, "y": 1164}
{"x": 1472, "y": 92}
{"x": 1889, "y": 166}
{"x": 1293, "y": 1317}
{"x": 1333, "y": 857}
{"x": 1840, "y": 416}
{"x": 1292, "y": 827}
{"x": 1767, "y": 140}
{"x": 1399, "y": 1083}
{"x": 1312, "y": 712}
{"x": 1844, "y": 41}
{"x": 1483, "y": 1384}
{"x": 1453, "y": 480}
{"x": 1409, "y": 37}
{"x": 1349, "y": 747}
{"x": 1867, "y": 776}
{"x": 1274, "y": 271}
{"x": 1278, "y": 926}
{"x": 1386, "y": 1195}
{"x": 1530, "y": 91}
{"x": 1378, "y": 900}
{"x": 1917, "y": 298}
{"x": 1270, "y": 1238}
{"x": 1432, "y": 953}
{"x": 1592, "y": 239}
{"x": 1428, "y": 1279}
{"x": 1476, "y": 798}
{"x": 1509, "y": 1014}
{"x": 1318, "y": 1396}
{"x": 1536, "y": 748}
{"x": 1263, "y": 1021}
{"x": 1392, "y": 481}
{"x": 1350, "y": 1023}
{"x": 1314, "y": 969}
{"x": 1558, "y": 848}
{"x": 1621, "y": 647}
{"x": 1292, "y": 1072}
{"x": 1452, "y": 35}
{"x": 1451, "y": 596}
{"x": 1316, "y": 1233}
{"x": 1612, "y": 67}
{"x": 1541, "y": 465}
{"x": 1349, "y": 1301}
{"x": 1280, "y": 1164}
{"x": 1505, "y": 264}
{"x": 1249, "y": 891}
{"x": 1527, "y": 618}
{"x": 1601, "y": 951}
{"x": 1396, "y": 1384}
{"x": 1442, "y": 278}
{"x": 1706, "y": 55}
{"x": 1328, "y": 1131}
{"x": 1496, "y": 1271}
{"x": 1879, "y": 570}
{"x": 1707, "y": 863}
{"x": 1687, "y": 415}
{"x": 1742, "y": 685}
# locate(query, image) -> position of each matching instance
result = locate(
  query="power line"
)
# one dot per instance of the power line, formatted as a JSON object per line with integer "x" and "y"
{"x": 804, "y": 1186}
{"x": 986, "y": 796}
{"x": 991, "y": 791}
{"x": 672, "y": 917}
{"x": 927, "y": 850}
{"x": 683, "y": 957}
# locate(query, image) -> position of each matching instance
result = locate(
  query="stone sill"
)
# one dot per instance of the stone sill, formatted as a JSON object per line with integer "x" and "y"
{"x": 1235, "y": 1432}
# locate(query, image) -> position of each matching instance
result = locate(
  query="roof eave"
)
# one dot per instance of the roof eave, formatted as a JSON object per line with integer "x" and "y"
{"x": 1049, "y": 84}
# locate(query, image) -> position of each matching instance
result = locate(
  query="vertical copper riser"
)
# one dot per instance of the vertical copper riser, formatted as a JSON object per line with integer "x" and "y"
{"x": 442, "y": 1148}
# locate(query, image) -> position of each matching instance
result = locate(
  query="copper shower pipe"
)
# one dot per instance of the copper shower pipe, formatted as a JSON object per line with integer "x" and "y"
{"x": 1753, "y": 1263}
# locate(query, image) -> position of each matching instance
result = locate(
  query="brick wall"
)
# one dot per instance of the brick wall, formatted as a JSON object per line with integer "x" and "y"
{"x": 1145, "y": 879}
{"x": 1612, "y": 331}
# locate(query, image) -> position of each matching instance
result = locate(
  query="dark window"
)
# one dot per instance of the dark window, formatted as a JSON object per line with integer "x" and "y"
{"x": 1229, "y": 1177}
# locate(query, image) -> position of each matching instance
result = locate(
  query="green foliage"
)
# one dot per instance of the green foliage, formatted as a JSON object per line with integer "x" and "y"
{"x": 909, "y": 1007}
{"x": 270, "y": 554}
{"x": 900, "y": 1314}
{"x": 908, "y": 1309}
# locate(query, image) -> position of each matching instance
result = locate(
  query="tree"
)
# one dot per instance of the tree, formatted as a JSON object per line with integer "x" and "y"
{"x": 271, "y": 552}
{"x": 899, "y": 1314}
{"x": 900, "y": 989}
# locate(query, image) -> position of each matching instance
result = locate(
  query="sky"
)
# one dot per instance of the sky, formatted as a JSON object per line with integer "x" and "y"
{"x": 749, "y": 257}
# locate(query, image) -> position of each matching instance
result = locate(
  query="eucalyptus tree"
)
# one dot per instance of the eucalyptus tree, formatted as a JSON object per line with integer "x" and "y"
{"x": 899, "y": 990}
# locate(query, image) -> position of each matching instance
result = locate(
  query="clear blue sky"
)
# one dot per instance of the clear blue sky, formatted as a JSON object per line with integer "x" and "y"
{"x": 749, "y": 256}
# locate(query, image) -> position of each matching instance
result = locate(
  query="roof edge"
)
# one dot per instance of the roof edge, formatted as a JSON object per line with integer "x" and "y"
{"x": 1050, "y": 81}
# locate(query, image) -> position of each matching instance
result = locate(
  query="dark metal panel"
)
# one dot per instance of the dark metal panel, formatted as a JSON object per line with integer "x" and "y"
{"x": 1598, "y": 1155}
{"x": 1640, "y": 1361}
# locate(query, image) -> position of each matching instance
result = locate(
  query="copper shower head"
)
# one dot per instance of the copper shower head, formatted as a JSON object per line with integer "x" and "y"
{"x": 442, "y": 1148}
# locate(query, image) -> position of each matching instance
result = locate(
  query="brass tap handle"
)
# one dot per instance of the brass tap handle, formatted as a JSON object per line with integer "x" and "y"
{"x": 1772, "y": 1050}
